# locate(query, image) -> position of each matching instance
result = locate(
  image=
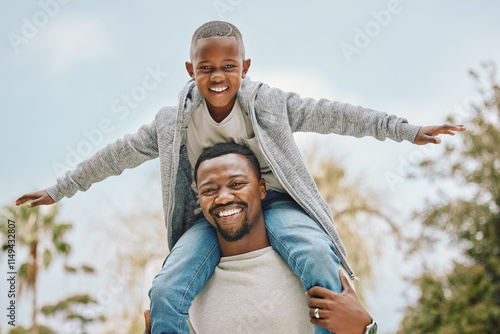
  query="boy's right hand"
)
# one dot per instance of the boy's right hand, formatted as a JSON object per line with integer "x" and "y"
{"x": 38, "y": 198}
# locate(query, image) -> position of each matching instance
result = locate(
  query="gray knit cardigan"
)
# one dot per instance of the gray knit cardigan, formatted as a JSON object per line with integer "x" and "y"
{"x": 274, "y": 114}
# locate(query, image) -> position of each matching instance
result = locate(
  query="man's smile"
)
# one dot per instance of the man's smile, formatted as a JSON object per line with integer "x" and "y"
{"x": 228, "y": 211}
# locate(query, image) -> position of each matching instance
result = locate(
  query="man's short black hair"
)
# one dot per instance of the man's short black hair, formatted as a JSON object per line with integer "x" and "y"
{"x": 217, "y": 29}
{"x": 228, "y": 148}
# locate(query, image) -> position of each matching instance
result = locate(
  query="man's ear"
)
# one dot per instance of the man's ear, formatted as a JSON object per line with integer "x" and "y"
{"x": 263, "y": 191}
{"x": 190, "y": 69}
{"x": 246, "y": 66}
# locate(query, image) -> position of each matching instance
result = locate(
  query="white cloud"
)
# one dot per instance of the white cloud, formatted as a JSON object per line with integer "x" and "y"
{"x": 305, "y": 83}
{"x": 72, "y": 40}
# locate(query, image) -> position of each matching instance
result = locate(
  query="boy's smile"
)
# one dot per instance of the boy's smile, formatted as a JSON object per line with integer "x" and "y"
{"x": 218, "y": 66}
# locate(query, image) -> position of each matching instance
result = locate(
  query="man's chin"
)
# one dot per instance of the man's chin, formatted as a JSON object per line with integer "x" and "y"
{"x": 236, "y": 235}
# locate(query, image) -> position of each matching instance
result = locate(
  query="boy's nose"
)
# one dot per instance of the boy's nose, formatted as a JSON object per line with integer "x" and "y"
{"x": 217, "y": 77}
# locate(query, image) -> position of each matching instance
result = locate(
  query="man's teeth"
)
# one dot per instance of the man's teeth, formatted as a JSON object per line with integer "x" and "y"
{"x": 228, "y": 212}
{"x": 219, "y": 89}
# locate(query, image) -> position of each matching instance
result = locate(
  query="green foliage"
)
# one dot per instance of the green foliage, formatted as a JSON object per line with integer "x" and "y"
{"x": 466, "y": 300}
{"x": 70, "y": 308}
{"x": 87, "y": 269}
{"x": 33, "y": 225}
{"x": 42, "y": 235}
{"x": 352, "y": 206}
{"x": 83, "y": 268}
{"x": 21, "y": 330}
{"x": 460, "y": 302}
{"x": 67, "y": 304}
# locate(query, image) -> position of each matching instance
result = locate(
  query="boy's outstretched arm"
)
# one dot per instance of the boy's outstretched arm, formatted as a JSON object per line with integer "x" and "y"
{"x": 427, "y": 134}
{"x": 38, "y": 198}
{"x": 128, "y": 152}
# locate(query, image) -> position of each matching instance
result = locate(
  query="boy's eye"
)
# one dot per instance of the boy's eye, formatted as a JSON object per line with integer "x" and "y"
{"x": 206, "y": 67}
{"x": 229, "y": 66}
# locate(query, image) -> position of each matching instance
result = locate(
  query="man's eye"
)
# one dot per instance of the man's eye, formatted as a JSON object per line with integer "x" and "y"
{"x": 208, "y": 191}
{"x": 236, "y": 184}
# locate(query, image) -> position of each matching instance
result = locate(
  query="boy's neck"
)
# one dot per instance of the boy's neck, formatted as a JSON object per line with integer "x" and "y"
{"x": 220, "y": 113}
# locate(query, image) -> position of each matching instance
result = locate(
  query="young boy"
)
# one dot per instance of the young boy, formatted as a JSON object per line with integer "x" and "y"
{"x": 220, "y": 105}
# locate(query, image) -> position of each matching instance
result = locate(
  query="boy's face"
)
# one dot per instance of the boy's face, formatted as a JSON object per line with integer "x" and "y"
{"x": 218, "y": 67}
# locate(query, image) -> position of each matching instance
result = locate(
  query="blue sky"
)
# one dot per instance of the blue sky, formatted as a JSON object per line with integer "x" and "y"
{"x": 77, "y": 75}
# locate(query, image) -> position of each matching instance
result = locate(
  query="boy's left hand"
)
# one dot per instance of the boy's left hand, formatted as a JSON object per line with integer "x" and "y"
{"x": 427, "y": 134}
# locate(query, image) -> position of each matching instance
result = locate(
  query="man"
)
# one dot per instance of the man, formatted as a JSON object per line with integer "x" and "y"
{"x": 253, "y": 290}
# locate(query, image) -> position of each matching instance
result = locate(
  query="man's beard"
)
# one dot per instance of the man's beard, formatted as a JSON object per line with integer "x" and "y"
{"x": 239, "y": 233}
{"x": 236, "y": 235}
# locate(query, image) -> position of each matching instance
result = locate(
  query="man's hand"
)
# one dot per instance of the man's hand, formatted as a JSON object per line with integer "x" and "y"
{"x": 39, "y": 198}
{"x": 427, "y": 134}
{"x": 341, "y": 313}
{"x": 147, "y": 317}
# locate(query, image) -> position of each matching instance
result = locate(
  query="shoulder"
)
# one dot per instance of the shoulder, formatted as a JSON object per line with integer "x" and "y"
{"x": 258, "y": 90}
{"x": 188, "y": 96}
{"x": 261, "y": 97}
{"x": 166, "y": 113}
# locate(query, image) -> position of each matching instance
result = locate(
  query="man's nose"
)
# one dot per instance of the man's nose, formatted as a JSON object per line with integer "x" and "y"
{"x": 225, "y": 195}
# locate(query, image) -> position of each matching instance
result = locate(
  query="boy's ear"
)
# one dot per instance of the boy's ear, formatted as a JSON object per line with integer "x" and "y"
{"x": 246, "y": 66}
{"x": 190, "y": 70}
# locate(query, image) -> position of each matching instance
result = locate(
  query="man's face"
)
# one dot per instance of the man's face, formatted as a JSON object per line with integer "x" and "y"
{"x": 230, "y": 195}
{"x": 218, "y": 67}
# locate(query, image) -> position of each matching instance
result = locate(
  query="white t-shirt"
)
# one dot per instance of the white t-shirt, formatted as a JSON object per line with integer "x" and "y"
{"x": 255, "y": 292}
{"x": 203, "y": 132}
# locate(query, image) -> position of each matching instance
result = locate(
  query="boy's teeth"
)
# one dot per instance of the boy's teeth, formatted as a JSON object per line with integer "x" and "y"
{"x": 228, "y": 212}
{"x": 218, "y": 89}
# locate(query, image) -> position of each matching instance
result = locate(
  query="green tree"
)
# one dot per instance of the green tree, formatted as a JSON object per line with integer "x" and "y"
{"x": 41, "y": 329}
{"x": 71, "y": 310}
{"x": 137, "y": 249}
{"x": 357, "y": 213}
{"x": 467, "y": 299}
{"x": 42, "y": 235}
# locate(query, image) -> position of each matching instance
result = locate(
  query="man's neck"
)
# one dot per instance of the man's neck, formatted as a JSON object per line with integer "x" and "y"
{"x": 252, "y": 242}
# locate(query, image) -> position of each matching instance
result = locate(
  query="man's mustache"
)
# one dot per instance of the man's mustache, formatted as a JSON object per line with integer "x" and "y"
{"x": 217, "y": 206}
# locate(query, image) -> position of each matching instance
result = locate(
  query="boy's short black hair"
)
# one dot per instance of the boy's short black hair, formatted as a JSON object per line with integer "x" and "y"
{"x": 228, "y": 148}
{"x": 217, "y": 29}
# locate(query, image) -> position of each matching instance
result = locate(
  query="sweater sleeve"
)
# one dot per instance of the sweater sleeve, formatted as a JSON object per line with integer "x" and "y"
{"x": 113, "y": 159}
{"x": 325, "y": 116}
